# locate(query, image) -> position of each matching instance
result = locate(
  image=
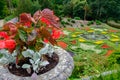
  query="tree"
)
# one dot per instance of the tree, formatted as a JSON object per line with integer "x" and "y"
{"x": 105, "y": 9}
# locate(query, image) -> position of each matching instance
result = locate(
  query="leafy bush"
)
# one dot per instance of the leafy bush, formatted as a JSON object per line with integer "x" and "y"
{"x": 82, "y": 25}
{"x": 63, "y": 22}
{"x": 77, "y": 18}
{"x": 69, "y": 19}
{"x": 72, "y": 21}
{"x": 90, "y": 23}
{"x": 78, "y": 8}
{"x": 98, "y": 22}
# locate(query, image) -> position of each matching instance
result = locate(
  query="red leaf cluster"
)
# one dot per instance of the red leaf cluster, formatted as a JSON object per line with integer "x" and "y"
{"x": 29, "y": 29}
{"x": 48, "y": 16}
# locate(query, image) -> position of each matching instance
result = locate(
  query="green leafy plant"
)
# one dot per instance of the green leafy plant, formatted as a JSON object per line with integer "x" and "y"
{"x": 98, "y": 22}
{"x": 77, "y": 18}
{"x": 90, "y": 23}
{"x": 31, "y": 38}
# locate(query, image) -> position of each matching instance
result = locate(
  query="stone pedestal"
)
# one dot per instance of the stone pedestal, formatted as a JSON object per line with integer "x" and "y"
{"x": 62, "y": 70}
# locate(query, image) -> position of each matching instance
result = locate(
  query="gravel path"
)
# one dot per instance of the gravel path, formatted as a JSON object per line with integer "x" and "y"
{"x": 1, "y": 23}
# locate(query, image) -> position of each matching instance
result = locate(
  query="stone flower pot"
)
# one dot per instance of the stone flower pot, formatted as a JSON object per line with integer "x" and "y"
{"x": 61, "y": 71}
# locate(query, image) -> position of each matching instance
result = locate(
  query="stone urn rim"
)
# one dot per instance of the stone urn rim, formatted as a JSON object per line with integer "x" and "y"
{"x": 61, "y": 71}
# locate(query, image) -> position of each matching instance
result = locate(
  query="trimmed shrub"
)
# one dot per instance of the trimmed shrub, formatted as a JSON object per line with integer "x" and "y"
{"x": 90, "y": 23}
{"x": 77, "y": 18}
{"x": 113, "y": 24}
{"x": 98, "y": 22}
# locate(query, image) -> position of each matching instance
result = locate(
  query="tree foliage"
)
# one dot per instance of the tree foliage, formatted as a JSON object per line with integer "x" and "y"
{"x": 24, "y": 6}
{"x": 3, "y": 9}
{"x": 85, "y": 9}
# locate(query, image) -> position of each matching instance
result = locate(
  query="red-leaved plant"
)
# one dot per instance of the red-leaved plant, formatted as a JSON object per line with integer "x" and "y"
{"x": 31, "y": 37}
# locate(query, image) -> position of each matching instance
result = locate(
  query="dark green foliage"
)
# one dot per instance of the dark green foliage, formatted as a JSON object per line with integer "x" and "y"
{"x": 3, "y": 9}
{"x": 14, "y": 3}
{"x": 69, "y": 19}
{"x": 72, "y": 21}
{"x": 90, "y": 23}
{"x": 68, "y": 9}
{"x": 77, "y": 18}
{"x": 104, "y": 9}
{"x": 63, "y": 22}
{"x": 98, "y": 22}
{"x": 82, "y": 25}
{"x": 85, "y": 9}
{"x": 27, "y": 6}
{"x": 78, "y": 9}
{"x": 45, "y": 4}
{"x": 24, "y": 6}
{"x": 35, "y": 6}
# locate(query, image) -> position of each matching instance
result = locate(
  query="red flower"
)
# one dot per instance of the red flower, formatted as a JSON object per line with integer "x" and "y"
{"x": 74, "y": 42}
{"x": 44, "y": 20}
{"x": 112, "y": 30}
{"x": 56, "y": 34}
{"x": 4, "y": 35}
{"x": 10, "y": 44}
{"x": 28, "y": 24}
{"x": 109, "y": 52}
{"x": 45, "y": 40}
{"x": 105, "y": 46}
{"x": 2, "y": 44}
{"x": 62, "y": 44}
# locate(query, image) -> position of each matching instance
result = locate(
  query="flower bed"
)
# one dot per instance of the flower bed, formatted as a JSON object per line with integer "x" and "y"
{"x": 93, "y": 55}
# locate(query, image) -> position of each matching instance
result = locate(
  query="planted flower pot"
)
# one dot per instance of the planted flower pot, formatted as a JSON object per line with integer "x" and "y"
{"x": 61, "y": 71}
{"x": 27, "y": 49}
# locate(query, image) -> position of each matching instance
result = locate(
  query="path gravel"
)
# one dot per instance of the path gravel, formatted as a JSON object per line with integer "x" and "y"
{"x": 1, "y": 23}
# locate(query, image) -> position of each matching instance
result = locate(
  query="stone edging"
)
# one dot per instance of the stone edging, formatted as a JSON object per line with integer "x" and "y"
{"x": 61, "y": 72}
